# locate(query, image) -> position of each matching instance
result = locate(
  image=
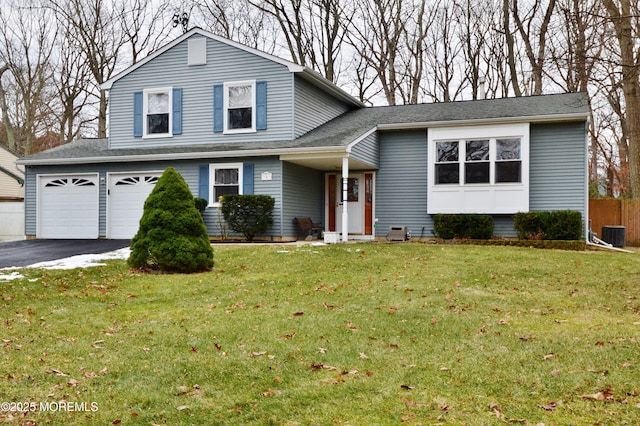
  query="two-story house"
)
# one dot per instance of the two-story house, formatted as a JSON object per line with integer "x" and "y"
{"x": 232, "y": 119}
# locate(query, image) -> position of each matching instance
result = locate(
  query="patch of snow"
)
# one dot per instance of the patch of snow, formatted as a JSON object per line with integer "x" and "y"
{"x": 12, "y": 276}
{"x": 79, "y": 261}
{"x": 83, "y": 260}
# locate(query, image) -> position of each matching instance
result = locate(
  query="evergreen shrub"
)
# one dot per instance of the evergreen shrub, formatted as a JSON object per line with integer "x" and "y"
{"x": 172, "y": 236}
{"x": 248, "y": 214}
{"x": 474, "y": 226}
{"x": 549, "y": 225}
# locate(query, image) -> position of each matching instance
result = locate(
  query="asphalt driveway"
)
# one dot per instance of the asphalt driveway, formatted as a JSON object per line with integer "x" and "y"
{"x": 28, "y": 252}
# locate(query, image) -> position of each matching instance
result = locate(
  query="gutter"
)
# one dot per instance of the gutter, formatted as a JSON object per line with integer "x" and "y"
{"x": 12, "y": 175}
{"x": 482, "y": 121}
{"x": 181, "y": 156}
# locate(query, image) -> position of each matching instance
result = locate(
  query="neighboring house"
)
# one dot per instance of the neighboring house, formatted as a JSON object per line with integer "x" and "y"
{"x": 11, "y": 196}
{"x": 232, "y": 119}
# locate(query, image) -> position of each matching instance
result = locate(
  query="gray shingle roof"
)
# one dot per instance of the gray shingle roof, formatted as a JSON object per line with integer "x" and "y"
{"x": 341, "y": 131}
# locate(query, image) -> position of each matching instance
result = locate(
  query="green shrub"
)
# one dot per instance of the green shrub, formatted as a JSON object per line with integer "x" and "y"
{"x": 249, "y": 214}
{"x": 529, "y": 225}
{"x": 564, "y": 225}
{"x": 549, "y": 225}
{"x": 172, "y": 236}
{"x": 474, "y": 226}
{"x": 201, "y": 204}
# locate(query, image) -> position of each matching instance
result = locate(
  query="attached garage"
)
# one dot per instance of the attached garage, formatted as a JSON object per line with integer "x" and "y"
{"x": 68, "y": 206}
{"x": 126, "y": 197}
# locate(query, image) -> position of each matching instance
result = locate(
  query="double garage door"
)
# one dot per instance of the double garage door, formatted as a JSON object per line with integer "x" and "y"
{"x": 69, "y": 205}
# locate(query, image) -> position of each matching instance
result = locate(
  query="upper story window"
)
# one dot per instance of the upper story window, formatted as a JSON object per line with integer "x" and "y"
{"x": 479, "y": 169}
{"x": 157, "y": 112}
{"x": 239, "y": 107}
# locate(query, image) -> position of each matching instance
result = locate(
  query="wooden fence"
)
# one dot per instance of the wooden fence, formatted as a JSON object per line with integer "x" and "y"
{"x": 616, "y": 213}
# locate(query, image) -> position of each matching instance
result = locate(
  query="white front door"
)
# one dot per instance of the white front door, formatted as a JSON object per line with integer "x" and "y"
{"x": 355, "y": 203}
{"x": 127, "y": 194}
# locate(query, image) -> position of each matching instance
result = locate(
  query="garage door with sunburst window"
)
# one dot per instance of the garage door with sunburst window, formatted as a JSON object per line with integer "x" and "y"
{"x": 68, "y": 206}
{"x": 126, "y": 196}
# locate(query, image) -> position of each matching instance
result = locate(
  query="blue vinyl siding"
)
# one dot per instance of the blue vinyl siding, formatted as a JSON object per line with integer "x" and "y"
{"x": 313, "y": 107}
{"x": 401, "y": 183}
{"x": 302, "y": 195}
{"x": 367, "y": 150}
{"x": 190, "y": 171}
{"x": 558, "y": 174}
{"x": 224, "y": 64}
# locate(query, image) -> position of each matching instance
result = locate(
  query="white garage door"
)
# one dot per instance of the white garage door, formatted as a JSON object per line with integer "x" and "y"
{"x": 127, "y": 194}
{"x": 68, "y": 206}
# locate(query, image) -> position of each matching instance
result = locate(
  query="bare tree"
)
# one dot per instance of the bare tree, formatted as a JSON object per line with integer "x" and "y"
{"x": 73, "y": 81}
{"x": 25, "y": 89}
{"x": 532, "y": 34}
{"x": 511, "y": 53}
{"x": 377, "y": 31}
{"x": 144, "y": 24}
{"x": 313, "y": 30}
{"x": 95, "y": 28}
{"x": 623, "y": 19}
{"x": 445, "y": 57}
{"x": 236, "y": 20}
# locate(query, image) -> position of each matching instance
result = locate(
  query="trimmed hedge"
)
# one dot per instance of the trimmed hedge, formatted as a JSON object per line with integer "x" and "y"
{"x": 248, "y": 214}
{"x": 474, "y": 226}
{"x": 549, "y": 225}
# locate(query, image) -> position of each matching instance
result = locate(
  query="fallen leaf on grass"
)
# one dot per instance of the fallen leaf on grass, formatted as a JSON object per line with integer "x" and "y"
{"x": 73, "y": 383}
{"x": 271, "y": 392}
{"x": 546, "y": 357}
{"x": 604, "y": 395}
{"x": 182, "y": 407}
{"x": 550, "y": 406}
{"x": 322, "y": 366}
{"x": 363, "y": 356}
{"x": 406, "y": 387}
{"x": 298, "y": 314}
{"x": 58, "y": 372}
{"x": 255, "y": 354}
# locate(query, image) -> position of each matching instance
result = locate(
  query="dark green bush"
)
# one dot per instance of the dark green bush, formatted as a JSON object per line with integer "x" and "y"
{"x": 201, "y": 204}
{"x": 529, "y": 225}
{"x": 249, "y": 214}
{"x": 549, "y": 225}
{"x": 474, "y": 226}
{"x": 172, "y": 236}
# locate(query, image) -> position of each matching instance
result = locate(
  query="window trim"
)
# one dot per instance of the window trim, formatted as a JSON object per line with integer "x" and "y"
{"x": 487, "y": 198}
{"x": 213, "y": 202}
{"x": 145, "y": 112}
{"x": 225, "y": 108}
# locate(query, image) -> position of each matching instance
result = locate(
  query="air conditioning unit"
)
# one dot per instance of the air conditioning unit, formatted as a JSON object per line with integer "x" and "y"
{"x": 398, "y": 233}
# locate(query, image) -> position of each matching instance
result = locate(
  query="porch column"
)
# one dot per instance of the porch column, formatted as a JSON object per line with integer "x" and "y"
{"x": 345, "y": 190}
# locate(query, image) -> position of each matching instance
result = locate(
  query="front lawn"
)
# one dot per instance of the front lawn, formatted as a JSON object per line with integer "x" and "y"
{"x": 343, "y": 334}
